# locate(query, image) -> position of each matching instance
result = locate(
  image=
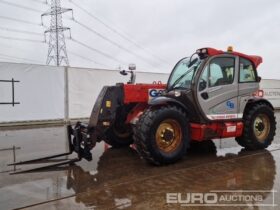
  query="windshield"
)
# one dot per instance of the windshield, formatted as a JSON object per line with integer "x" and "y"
{"x": 183, "y": 73}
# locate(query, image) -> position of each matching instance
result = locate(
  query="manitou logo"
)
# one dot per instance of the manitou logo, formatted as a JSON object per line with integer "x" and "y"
{"x": 155, "y": 93}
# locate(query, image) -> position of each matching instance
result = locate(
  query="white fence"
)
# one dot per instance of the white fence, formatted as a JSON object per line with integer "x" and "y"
{"x": 85, "y": 85}
{"x": 40, "y": 92}
{"x": 36, "y": 92}
{"x": 271, "y": 90}
{"x": 55, "y": 93}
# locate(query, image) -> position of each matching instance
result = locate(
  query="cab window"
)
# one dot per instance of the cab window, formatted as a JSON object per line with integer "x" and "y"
{"x": 247, "y": 72}
{"x": 221, "y": 71}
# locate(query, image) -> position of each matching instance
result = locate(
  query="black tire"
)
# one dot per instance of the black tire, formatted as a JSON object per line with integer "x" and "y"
{"x": 119, "y": 136}
{"x": 147, "y": 127}
{"x": 249, "y": 138}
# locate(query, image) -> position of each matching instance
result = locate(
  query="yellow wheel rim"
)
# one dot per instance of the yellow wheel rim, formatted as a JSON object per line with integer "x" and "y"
{"x": 168, "y": 135}
{"x": 261, "y": 127}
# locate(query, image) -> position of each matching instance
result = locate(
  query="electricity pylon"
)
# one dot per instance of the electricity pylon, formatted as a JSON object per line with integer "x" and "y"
{"x": 57, "y": 46}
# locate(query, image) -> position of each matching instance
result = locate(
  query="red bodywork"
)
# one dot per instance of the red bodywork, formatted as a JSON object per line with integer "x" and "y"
{"x": 200, "y": 132}
{"x": 139, "y": 94}
{"x": 257, "y": 60}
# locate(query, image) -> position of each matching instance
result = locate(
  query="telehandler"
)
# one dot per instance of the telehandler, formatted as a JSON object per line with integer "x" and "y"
{"x": 211, "y": 94}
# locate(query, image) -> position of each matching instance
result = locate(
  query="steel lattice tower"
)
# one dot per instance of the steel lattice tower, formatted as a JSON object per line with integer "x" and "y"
{"x": 57, "y": 46}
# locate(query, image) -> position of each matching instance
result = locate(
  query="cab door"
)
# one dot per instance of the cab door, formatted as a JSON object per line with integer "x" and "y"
{"x": 217, "y": 90}
{"x": 248, "y": 82}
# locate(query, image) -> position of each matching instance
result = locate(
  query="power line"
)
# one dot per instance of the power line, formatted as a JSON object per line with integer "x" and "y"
{"x": 21, "y": 21}
{"x": 121, "y": 34}
{"x": 20, "y": 6}
{"x": 87, "y": 59}
{"x": 19, "y": 58}
{"x": 21, "y": 39}
{"x": 20, "y": 31}
{"x": 40, "y": 2}
{"x": 16, "y": 49}
{"x": 14, "y": 60}
{"x": 97, "y": 51}
{"x": 111, "y": 41}
{"x": 73, "y": 53}
{"x": 10, "y": 60}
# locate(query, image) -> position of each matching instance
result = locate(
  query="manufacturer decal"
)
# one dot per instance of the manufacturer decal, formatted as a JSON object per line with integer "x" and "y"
{"x": 153, "y": 93}
{"x": 230, "y": 105}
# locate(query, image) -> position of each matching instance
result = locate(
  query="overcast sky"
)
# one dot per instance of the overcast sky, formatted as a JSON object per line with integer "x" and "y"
{"x": 164, "y": 31}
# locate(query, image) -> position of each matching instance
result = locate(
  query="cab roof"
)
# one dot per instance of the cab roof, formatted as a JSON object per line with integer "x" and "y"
{"x": 257, "y": 60}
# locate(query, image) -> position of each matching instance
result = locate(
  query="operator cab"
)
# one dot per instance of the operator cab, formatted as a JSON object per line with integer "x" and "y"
{"x": 214, "y": 83}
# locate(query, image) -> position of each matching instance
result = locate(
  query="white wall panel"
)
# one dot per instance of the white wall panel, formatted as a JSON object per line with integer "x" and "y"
{"x": 85, "y": 85}
{"x": 40, "y": 92}
{"x": 271, "y": 90}
{"x": 42, "y": 96}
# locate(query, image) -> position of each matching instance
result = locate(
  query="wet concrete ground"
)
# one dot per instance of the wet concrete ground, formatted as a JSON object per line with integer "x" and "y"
{"x": 119, "y": 179}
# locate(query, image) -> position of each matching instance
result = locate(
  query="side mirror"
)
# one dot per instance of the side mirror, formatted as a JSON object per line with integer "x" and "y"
{"x": 132, "y": 67}
{"x": 259, "y": 79}
{"x": 123, "y": 72}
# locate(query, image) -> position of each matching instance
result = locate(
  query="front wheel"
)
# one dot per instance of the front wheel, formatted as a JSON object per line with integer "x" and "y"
{"x": 119, "y": 135}
{"x": 161, "y": 135}
{"x": 259, "y": 127}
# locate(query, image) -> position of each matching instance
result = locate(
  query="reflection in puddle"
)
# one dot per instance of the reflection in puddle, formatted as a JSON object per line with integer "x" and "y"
{"x": 118, "y": 184}
{"x": 118, "y": 178}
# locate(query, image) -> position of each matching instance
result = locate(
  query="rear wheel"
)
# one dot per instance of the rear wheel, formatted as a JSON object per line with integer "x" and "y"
{"x": 119, "y": 135}
{"x": 259, "y": 127}
{"x": 162, "y": 135}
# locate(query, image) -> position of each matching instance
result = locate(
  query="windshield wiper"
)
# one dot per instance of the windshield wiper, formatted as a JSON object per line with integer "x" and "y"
{"x": 183, "y": 75}
{"x": 192, "y": 62}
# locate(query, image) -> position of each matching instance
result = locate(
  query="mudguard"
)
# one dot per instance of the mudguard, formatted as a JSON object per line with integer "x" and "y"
{"x": 163, "y": 100}
{"x": 254, "y": 100}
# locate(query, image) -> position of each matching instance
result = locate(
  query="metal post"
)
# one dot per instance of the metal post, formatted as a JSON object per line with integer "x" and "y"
{"x": 13, "y": 91}
{"x": 66, "y": 95}
{"x": 14, "y": 156}
{"x": 66, "y": 107}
